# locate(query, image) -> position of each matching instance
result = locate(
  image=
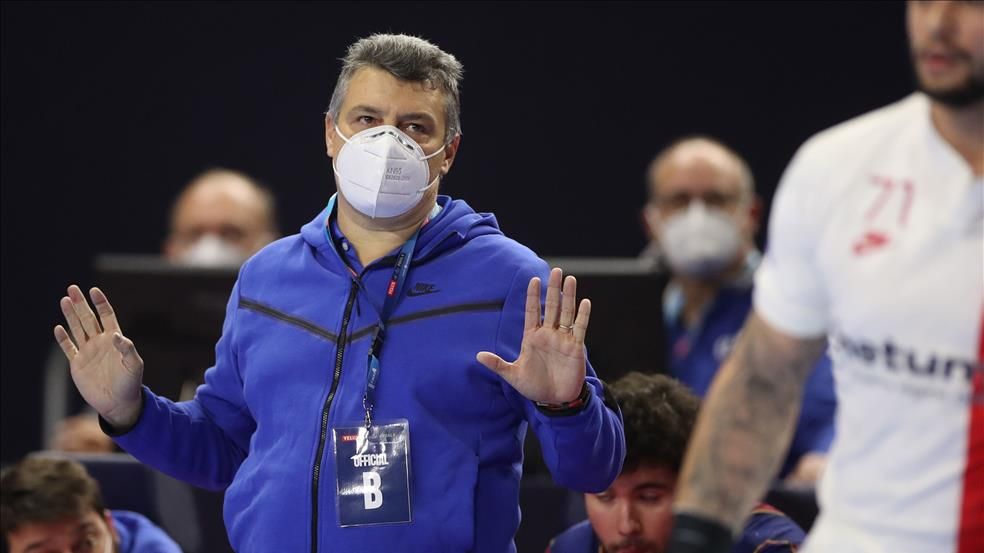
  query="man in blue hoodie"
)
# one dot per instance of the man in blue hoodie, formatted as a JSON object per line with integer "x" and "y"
{"x": 350, "y": 408}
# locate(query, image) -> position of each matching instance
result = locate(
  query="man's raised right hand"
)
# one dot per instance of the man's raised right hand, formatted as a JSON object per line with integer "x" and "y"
{"x": 105, "y": 365}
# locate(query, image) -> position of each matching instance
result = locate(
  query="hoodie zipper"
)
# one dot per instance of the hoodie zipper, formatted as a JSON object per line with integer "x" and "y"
{"x": 316, "y": 471}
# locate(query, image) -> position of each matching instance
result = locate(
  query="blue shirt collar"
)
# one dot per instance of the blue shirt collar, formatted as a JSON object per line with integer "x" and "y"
{"x": 673, "y": 295}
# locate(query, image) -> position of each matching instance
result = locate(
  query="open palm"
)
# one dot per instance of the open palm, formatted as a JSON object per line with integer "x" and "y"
{"x": 105, "y": 365}
{"x": 551, "y": 365}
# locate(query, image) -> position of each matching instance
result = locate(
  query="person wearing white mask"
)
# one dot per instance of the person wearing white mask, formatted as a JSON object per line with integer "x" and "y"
{"x": 362, "y": 398}
{"x": 221, "y": 218}
{"x": 702, "y": 216}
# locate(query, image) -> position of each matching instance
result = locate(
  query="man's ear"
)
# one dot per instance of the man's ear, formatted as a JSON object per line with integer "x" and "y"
{"x": 331, "y": 137}
{"x": 169, "y": 248}
{"x": 450, "y": 151}
{"x": 755, "y": 211}
{"x": 111, "y": 524}
{"x": 649, "y": 220}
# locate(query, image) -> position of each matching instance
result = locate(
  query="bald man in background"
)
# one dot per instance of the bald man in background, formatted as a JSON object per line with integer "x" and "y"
{"x": 220, "y": 219}
{"x": 702, "y": 216}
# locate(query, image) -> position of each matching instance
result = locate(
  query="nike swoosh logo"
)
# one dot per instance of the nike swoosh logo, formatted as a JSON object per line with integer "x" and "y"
{"x": 414, "y": 293}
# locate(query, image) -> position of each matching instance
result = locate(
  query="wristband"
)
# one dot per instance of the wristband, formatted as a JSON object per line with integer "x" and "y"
{"x": 568, "y": 407}
{"x": 697, "y": 534}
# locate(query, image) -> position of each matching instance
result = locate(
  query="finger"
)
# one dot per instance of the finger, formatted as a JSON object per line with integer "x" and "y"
{"x": 567, "y": 302}
{"x": 581, "y": 322}
{"x": 553, "y": 299}
{"x": 89, "y": 323}
{"x": 131, "y": 359}
{"x": 65, "y": 342}
{"x": 72, "y": 318}
{"x": 496, "y": 364}
{"x": 532, "y": 304}
{"x": 106, "y": 314}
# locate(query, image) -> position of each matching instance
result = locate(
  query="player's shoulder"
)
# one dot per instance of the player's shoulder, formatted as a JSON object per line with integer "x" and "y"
{"x": 851, "y": 138}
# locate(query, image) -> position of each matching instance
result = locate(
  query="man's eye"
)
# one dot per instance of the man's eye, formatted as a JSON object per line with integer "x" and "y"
{"x": 652, "y": 497}
{"x": 415, "y": 128}
{"x": 715, "y": 199}
{"x": 604, "y": 497}
{"x": 364, "y": 119}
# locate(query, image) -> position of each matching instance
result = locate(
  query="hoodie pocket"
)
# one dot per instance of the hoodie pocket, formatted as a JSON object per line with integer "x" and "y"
{"x": 453, "y": 497}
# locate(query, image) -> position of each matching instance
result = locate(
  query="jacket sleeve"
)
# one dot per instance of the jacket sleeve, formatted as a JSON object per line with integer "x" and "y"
{"x": 202, "y": 441}
{"x": 584, "y": 450}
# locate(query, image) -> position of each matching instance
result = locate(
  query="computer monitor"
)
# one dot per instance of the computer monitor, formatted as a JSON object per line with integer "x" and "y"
{"x": 172, "y": 313}
{"x": 626, "y": 331}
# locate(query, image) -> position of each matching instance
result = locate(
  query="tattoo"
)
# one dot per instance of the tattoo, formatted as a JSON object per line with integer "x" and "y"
{"x": 746, "y": 423}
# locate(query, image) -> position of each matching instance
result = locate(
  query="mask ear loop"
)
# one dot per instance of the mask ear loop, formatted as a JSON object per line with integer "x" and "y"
{"x": 339, "y": 133}
{"x": 425, "y": 158}
{"x": 436, "y": 178}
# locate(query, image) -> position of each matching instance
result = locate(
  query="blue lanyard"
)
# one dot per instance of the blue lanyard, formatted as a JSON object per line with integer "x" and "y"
{"x": 393, "y": 292}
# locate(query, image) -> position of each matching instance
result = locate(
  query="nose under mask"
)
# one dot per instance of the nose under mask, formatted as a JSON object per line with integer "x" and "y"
{"x": 382, "y": 172}
{"x": 699, "y": 242}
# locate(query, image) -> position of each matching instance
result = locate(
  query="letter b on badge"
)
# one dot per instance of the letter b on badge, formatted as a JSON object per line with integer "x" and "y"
{"x": 371, "y": 492}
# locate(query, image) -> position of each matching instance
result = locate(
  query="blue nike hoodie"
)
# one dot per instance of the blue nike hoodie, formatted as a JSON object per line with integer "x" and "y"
{"x": 291, "y": 365}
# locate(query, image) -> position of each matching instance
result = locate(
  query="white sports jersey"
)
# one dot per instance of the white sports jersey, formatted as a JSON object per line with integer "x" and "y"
{"x": 877, "y": 240}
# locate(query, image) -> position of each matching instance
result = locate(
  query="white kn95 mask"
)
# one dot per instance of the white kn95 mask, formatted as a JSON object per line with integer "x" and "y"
{"x": 699, "y": 242}
{"x": 382, "y": 172}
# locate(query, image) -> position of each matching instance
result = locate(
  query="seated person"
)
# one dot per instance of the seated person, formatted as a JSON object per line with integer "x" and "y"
{"x": 221, "y": 218}
{"x": 51, "y": 505}
{"x": 635, "y": 514}
{"x": 702, "y": 216}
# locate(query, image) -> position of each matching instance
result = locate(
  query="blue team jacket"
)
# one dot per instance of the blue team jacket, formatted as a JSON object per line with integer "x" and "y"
{"x": 291, "y": 365}
{"x": 766, "y": 531}
{"x": 696, "y": 354}
{"x": 139, "y": 535}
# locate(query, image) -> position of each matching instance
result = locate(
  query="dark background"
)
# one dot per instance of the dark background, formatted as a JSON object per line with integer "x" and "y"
{"x": 108, "y": 109}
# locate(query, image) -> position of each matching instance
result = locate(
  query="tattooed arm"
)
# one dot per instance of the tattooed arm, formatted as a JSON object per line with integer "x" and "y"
{"x": 746, "y": 423}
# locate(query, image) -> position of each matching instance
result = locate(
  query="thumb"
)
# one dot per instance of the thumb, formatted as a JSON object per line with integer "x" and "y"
{"x": 495, "y": 363}
{"x": 131, "y": 359}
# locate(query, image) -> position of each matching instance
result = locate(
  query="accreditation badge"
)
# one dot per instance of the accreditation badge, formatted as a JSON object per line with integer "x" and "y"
{"x": 372, "y": 468}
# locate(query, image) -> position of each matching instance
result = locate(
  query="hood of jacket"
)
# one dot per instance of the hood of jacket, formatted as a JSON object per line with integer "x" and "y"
{"x": 456, "y": 224}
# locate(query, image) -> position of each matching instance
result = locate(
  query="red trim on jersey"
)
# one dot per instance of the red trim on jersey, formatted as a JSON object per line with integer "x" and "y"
{"x": 971, "y": 532}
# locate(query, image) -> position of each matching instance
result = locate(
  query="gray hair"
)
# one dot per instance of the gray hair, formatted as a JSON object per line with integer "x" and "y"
{"x": 407, "y": 58}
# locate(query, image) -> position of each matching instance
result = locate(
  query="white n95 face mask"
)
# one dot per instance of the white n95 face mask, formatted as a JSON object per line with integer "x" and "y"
{"x": 212, "y": 251}
{"x": 382, "y": 172}
{"x": 699, "y": 242}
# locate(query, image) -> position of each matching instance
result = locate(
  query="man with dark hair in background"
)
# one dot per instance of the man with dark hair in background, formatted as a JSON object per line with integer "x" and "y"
{"x": 635, "y": 513}
{"x": 50, "y": 505}
{"x": 388, "y": 312}
{"x": 702, "y": 216}
{"x": 877, "y": 242}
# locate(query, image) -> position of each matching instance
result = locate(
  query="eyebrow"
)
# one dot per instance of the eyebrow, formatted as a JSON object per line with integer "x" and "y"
{"x": 651, "y": 486}
{"x": 366, "y": 109}
{"x": 402, "y": 117}
{"x": 81, "y": 528}
{"x": 416, "y": 115}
